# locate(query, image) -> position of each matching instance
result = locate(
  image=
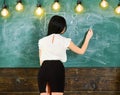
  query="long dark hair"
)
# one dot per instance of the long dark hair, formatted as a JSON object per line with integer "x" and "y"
{"x": 56, "y": 25}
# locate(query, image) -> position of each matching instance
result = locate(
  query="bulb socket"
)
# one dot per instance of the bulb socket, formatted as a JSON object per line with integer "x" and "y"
{"x": 5, "y": 6}
{"x": 79, "y": 2}
{"x": 19, "y": 1}
{"x": 119, "y": 4}
{"x": 56, "y": 0}
{"x": 39, "y": 5}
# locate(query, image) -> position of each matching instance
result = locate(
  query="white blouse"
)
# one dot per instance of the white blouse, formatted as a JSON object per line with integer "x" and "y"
{"x": 53, "y": 47}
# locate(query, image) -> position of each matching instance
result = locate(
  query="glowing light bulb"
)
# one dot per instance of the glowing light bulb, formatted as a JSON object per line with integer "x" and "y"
{"x": 117, "y": 9}
{"x": 5, "y": 12}
{"x": 19, "y": 6}
{"x": 56, "y": 6}
{"x": 104, "y": 4}
{"x": 79, "y": 8}
{"x": 39, "y": 11}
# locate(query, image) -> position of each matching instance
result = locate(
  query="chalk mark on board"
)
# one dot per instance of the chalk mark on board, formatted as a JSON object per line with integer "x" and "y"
{"x": 98, "y": 61}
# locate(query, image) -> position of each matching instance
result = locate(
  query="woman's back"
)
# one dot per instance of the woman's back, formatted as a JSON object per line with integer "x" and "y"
{"x": 54, "y": 47}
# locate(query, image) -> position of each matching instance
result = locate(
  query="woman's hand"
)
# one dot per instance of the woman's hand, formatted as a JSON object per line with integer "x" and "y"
{"x": 82, "y": 50}
{"x": 89, "y": 34}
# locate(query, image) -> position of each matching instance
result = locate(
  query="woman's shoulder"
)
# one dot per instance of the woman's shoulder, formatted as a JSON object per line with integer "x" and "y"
{"x": 43, "y": 38}
{"x": 64, "y": 38}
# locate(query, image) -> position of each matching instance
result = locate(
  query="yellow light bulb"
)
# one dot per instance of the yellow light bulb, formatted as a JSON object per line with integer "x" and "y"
{"x": 39, "y": 11}
{"x": 79, "y": 8}
{"x": 117, "y": 10}
{"x": 56, "y": 6}
{"x": 5, "y": 12}
{"x": 104, "y": 4}
{"x": 19, "y": 7}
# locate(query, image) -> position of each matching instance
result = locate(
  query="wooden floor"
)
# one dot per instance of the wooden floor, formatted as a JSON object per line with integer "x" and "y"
{"x": 79, "y": 81}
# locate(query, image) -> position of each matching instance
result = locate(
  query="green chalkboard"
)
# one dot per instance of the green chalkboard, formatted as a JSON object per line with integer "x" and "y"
{"x": 19, "y": 34}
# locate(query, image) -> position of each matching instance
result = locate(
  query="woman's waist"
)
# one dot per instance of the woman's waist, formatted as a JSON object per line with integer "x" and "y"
{"x": 52, "y": 62}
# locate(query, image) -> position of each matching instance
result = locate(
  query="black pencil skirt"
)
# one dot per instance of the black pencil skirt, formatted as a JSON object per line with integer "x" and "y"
{"x": 52, "y": 72}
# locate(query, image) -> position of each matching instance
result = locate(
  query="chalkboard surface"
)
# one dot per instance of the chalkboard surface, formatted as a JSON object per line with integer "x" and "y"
{"x": 19, "y": 34}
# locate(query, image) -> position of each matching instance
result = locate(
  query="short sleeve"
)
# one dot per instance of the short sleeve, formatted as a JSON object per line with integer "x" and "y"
{"x": 67, "y": 42}
{"x": 39, "y": 44}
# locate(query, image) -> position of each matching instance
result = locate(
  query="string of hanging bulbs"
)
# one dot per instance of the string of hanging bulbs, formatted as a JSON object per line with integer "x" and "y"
{"x": 39, "y": 11}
